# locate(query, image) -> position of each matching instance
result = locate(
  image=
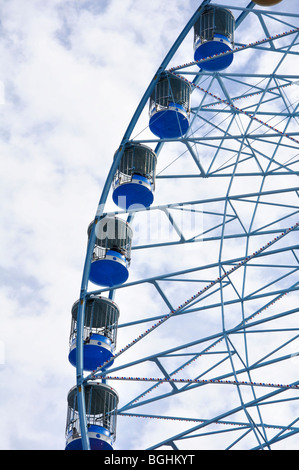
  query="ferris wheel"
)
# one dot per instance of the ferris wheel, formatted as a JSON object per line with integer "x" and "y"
{"x": 185, "y": 334}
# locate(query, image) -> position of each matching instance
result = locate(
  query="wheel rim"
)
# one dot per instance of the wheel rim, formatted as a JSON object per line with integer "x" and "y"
{"x": 225, "y": 213}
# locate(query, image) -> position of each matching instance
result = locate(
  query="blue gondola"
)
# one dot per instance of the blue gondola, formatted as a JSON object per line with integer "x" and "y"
{"x": 111, "y": 255}
{"x": 99, "y": 439}
{"x": 99, "y": 332}
{"x": 214, "y": 34}
{"x": 134, "y": 180}
{"x": 101, "y": 406}
{"x": 169, "y": 108}
{"x": 97, "y": 350}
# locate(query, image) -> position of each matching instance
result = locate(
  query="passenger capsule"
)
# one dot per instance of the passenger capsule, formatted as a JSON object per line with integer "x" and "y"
{"x": 99, "y": 332}
{"x": 266, "y": 3}
{"x": 214, "y": 34}
{"x": 134, "y": 180}
{"x": 101, "y": 403}
{"x": 169, "y": 108}
{"x": 111, "y": 253}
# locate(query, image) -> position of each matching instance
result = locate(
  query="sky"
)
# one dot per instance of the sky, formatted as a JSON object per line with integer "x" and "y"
{"x": 71, "y": 75}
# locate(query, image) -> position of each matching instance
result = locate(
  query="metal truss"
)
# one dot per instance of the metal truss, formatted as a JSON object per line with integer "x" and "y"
{"x": 208, "y": 338}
